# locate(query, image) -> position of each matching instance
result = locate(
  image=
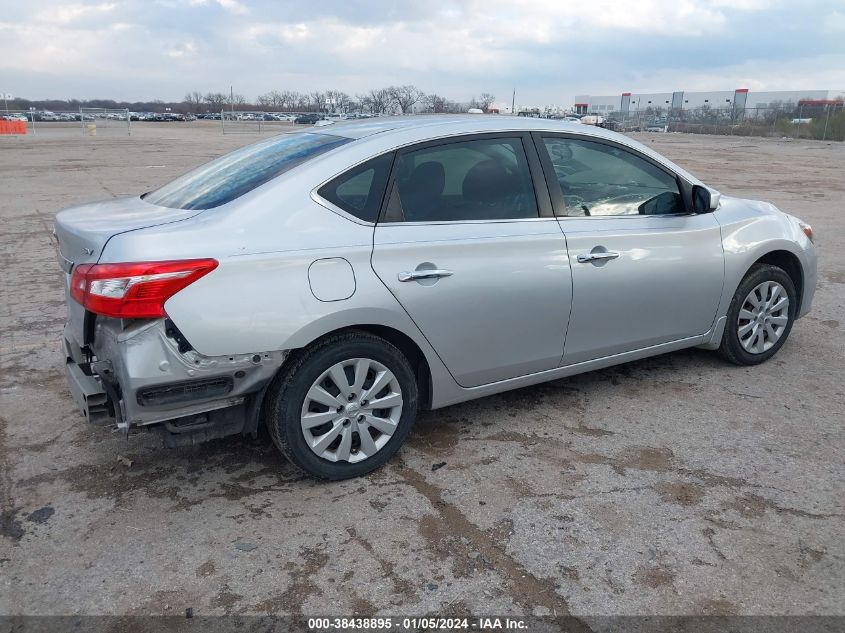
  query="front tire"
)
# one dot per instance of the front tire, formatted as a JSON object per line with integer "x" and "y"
{"x": 760, "y": 317}
{"x": 344, "y": 406}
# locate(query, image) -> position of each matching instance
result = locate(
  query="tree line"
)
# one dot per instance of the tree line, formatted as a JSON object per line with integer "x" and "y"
{"x": 402, "y": 99}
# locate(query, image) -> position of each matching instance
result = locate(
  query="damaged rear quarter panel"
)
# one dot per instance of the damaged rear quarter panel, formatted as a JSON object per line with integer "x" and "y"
{"x": 142, "y": 355}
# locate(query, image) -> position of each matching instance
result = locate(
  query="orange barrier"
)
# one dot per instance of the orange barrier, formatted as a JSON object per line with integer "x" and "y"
{"x": 12, "y": 127}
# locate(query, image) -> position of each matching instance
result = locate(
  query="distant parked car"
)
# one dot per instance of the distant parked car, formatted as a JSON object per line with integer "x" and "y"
{"x": 332, "y": 283}
{"x": 310, "y": 118}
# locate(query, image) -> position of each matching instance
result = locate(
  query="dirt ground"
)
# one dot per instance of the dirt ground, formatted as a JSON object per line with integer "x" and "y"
{"x": 675, "y": 485}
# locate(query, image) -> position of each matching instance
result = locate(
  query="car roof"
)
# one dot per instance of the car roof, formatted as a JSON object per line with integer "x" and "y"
{"x": 435, "y": 125}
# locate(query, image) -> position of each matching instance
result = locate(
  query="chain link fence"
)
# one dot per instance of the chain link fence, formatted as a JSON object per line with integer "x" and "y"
{"x": 91, "y": 120}
{"x": 245, "y": 121}
{"x": 99, "y": 120}
{"x": 824, "y": 122}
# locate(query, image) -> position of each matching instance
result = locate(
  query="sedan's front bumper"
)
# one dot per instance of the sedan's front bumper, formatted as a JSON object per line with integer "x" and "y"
{"x": 134, "y": 374}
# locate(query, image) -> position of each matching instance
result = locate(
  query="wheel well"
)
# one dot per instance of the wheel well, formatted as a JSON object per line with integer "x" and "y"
{"x": 404, "y": 343}
{"x": 790, "y": 264}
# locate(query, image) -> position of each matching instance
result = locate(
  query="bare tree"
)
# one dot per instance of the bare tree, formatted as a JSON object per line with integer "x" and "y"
{"x": 193, "y": 100}
{"x": 364, "y": 103}
{"x": 486, "y": 100}
{"x": 216, "y": 100}
{"x": 302, "y": 101}
{"x": 272, "y": 99}
{"x": 316, "y": 100}
{"x": 441, "y": 105}
{"x": 435, "y": 103}
{"x": 405, "y": 97}
{"x": 378, "y": 100}
{"x": 340, "y": 100}
{"x": 236, "y": 99}
{"x": 292, "y": 100}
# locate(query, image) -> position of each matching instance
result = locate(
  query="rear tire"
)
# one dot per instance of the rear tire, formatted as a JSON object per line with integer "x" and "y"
{"x": 333, "y": 430}
{"x": 758, "y": 321}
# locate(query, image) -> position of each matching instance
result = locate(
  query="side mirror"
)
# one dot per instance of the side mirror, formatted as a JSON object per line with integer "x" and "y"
{"x": 715, "y": 199}
{"x": 704, "y": 200}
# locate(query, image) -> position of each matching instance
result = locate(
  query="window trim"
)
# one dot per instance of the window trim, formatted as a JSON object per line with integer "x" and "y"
{"x": 545, "y": 209}
{"x": 331, "y": 206}
{"x": 556, "y": 195}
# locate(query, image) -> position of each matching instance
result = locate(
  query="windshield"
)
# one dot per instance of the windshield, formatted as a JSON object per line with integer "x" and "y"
{"x": 231, "y": 176}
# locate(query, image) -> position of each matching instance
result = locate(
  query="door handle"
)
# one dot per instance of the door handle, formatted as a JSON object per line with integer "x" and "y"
{"x": 424, "y": 274}
{"x": 585, "y": 258}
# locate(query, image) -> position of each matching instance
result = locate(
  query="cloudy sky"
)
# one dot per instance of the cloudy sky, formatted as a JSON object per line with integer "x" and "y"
{"x": 549, "y": 50}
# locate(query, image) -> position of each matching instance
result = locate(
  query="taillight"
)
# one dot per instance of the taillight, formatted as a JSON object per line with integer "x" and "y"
{"x": 136, "y": 290}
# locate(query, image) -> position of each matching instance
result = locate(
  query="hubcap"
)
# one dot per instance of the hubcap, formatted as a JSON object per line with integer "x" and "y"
{"x": 763, "y": 317}
{"x": 352, "y": 410}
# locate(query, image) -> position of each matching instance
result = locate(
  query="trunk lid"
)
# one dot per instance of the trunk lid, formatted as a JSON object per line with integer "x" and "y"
{"x": 83, "y": 231}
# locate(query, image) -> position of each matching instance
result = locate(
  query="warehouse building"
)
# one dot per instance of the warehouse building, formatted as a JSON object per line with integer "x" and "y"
{"x": 742, "y": 99}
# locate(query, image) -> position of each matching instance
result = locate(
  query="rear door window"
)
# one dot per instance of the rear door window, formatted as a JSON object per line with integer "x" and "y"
{"x": 231, "y": 176}
{"x": 484, "y": 179}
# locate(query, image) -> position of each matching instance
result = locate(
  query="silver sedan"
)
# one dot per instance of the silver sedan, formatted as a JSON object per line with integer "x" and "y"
{"x": 332, "y": 283}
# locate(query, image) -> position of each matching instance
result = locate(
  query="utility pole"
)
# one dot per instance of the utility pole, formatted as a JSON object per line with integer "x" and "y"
{"x": 513, "y": 101}
{"x": 231, "y": 99}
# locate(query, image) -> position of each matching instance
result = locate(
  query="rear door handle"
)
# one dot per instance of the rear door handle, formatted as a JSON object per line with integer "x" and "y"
{"x": 424, "y": 274}
{"x": 585, "y": 258}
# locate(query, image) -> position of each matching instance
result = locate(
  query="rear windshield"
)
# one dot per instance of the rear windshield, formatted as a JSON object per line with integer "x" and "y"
{"x": 231, "y": 176}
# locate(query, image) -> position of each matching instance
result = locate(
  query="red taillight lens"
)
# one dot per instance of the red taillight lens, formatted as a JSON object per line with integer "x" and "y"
{"x": 135, "y": 290}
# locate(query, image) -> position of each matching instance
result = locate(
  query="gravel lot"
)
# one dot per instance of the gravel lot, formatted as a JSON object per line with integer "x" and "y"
{"x": 675, "y": 485}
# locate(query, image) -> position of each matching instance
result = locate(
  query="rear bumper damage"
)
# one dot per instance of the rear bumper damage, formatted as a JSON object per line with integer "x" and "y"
{"x": 143, "y": 374}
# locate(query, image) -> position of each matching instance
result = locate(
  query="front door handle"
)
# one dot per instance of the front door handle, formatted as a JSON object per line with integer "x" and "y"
{"x": 424, "y": 274}
{"x": 585, "y": 258}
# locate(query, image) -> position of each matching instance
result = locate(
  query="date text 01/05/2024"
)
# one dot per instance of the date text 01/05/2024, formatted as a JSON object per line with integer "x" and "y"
{"x": 412, "y": 624}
